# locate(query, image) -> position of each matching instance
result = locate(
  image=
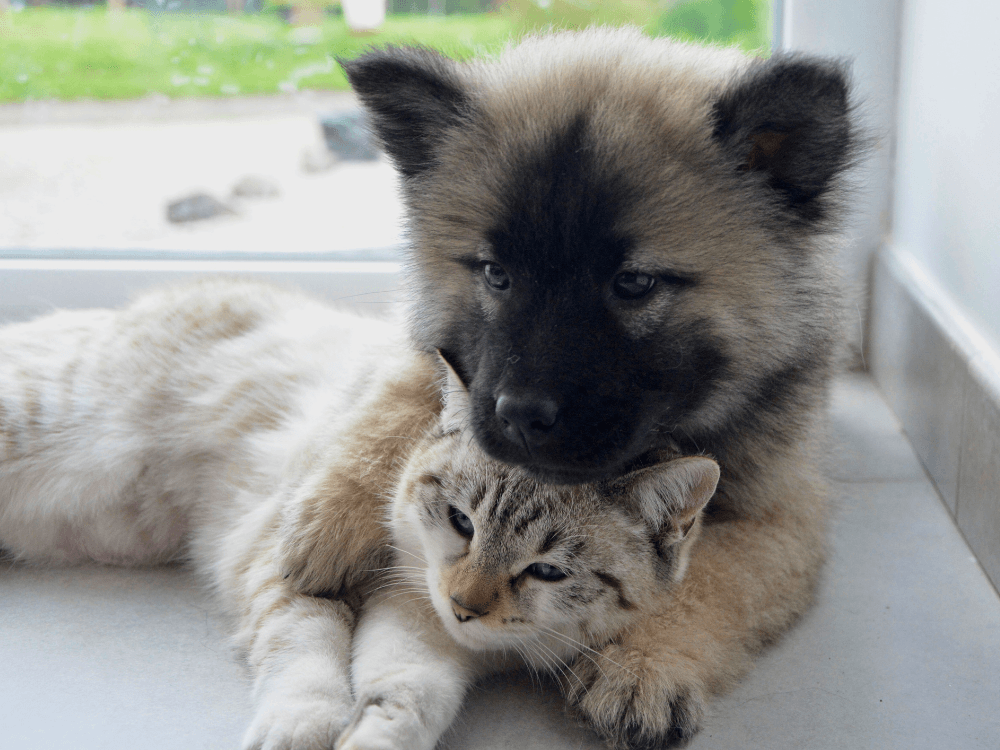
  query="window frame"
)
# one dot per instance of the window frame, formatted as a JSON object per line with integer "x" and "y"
{"x": 31, "y": 286}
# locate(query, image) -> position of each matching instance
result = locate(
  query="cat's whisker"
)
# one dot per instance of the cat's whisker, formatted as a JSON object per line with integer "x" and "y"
{"x": 408, "y": 552}
{"x": 561, "y": 666}
{"x": 411, "y": 590}
{"x": 416, "y": 596}
{"x": 584, "y": 648}
{"x": 524, "y": 651}
{"x": 402, "y": 573}
{"x": 390, "y": 584}
{"x": 394, "y": 567}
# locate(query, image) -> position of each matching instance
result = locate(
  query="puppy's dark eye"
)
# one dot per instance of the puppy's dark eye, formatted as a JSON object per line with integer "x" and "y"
{"x": 461, "y": 522}
{"x": 629, "y": 285}
{"x": 545, "y": 572}
{"x": 496, "y": 277}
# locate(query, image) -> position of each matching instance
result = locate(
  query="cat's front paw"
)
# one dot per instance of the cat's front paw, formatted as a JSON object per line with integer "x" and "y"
{"x": 297, "y": 724}
{"x": 379, "y": 725}
{"x": 636, "y": 701}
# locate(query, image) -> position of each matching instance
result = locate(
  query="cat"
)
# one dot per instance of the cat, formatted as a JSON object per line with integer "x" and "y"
{"x": 185, "y": 426}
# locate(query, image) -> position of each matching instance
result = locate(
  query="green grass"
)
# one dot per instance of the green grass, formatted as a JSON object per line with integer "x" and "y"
{"x": 52, "y": 53}
{"x": 742, "y": 23}
{"x": 65, "y": 53}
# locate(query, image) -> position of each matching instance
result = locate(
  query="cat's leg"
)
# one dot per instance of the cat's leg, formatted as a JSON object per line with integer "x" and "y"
{"x": 748, "y": 581}
{"x": 334, "y": 539}
{"x": 299, "y": 654}
{"x": 298, "y": 646}
{"x": 409, "y": 677}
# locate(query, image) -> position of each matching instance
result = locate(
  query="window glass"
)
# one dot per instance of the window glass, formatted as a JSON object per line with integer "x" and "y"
{"x": 225, "y": 128}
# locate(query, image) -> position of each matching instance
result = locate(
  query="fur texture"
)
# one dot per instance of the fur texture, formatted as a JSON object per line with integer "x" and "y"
{"x": 623, "y": 246}
{"x": 574, "y": 159}
{"x": 207, "y": 423}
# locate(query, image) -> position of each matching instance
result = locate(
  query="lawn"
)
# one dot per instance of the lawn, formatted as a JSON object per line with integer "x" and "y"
{"x": 65, "y": 53}
{"x": 54, "y": 53}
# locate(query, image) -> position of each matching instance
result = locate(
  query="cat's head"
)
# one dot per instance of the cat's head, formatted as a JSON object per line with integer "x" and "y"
{"x": 511, "y": 562}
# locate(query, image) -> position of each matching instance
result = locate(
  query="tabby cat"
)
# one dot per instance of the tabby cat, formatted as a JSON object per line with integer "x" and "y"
{"x": 193, "y": 423}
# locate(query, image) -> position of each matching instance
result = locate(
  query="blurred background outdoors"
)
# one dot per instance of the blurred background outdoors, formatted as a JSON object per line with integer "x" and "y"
{"x": 226, "y": 126}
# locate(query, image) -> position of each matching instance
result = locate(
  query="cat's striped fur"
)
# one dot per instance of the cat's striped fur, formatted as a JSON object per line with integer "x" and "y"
{"x": 193, "y": 423}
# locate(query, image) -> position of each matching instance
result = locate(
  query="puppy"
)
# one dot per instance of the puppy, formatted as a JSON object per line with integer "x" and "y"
{"x": 623, "y": 246}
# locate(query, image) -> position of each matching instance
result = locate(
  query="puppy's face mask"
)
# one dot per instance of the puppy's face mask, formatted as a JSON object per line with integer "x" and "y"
{"x": 617, "y": 252}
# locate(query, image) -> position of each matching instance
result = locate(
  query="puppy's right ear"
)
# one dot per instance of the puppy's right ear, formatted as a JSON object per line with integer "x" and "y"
{"x": 789, "y": 121}
{"x": 455, "y": 395}
{"x": 414, "y": 95}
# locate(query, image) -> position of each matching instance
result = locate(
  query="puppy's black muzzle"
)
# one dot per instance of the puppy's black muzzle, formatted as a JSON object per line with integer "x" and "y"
{"x": 527, "y": 418}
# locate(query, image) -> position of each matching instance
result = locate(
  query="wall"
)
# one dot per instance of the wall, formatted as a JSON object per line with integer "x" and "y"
{"x": 948, "y": 169}
{"x": 936, "y": 292}
{"x": 865, "y": 32}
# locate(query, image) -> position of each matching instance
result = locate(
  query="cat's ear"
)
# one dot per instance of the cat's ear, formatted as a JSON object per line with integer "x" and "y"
{"x": 670, "y": 496}
{"x": 455, "y": 395}
{"x": 414, "y": 96}
{"x": 788, "y": 119}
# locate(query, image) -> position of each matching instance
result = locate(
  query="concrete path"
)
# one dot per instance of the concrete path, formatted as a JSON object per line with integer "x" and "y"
{"x": 86, "y": 176}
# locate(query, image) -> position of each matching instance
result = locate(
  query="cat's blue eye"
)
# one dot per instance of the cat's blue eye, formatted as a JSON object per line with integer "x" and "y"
{"x": 462, "y": 523}
{"x": 545, "y": 572}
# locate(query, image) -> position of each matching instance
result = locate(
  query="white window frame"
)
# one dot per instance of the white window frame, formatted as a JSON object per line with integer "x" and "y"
{"x": 30, "y": 286}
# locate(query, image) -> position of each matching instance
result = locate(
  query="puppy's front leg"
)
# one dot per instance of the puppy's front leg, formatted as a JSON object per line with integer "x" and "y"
{"x": 748, "y": 581}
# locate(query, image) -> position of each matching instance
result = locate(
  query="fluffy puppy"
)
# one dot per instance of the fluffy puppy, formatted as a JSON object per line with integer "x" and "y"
{"x": 623, "y": 246}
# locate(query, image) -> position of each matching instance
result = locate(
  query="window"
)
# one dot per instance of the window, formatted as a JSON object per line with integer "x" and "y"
{"x": 147, "y": 140}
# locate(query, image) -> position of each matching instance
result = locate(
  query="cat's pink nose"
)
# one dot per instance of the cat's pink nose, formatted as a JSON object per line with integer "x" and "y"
{"x": 464, "y": 613}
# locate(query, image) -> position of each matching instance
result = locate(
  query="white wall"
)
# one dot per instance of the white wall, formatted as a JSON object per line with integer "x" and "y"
{"x": 866, "y": 33}
{"x": 935, "y": 342}
{"x": 947, "y": 186}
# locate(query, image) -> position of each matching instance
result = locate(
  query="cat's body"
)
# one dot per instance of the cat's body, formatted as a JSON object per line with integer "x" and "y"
{"x": 192, "y": 423}
{"x": 104, "y": 410}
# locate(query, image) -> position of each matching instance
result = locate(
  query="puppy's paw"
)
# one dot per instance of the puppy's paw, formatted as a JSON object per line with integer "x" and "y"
{"x": 635, "y": 701}
{"x": 306, "y": 723}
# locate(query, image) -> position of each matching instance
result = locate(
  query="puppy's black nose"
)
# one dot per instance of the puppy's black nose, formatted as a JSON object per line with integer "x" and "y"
{"x": 527, "y": 417}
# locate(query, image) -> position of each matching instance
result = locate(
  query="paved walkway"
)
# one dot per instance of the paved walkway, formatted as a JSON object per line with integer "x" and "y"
{"x": 902, "y": 651}
{"x": 81, "y": 176}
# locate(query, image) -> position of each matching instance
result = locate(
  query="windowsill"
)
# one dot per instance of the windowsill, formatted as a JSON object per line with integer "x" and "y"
{"x": 29, "y": 287}
{"x": 901, "y": 651}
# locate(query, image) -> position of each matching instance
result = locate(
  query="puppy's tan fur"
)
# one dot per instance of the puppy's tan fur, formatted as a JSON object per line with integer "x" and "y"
{"x": 723, "y": 169}
{"x": 747, "y": 581}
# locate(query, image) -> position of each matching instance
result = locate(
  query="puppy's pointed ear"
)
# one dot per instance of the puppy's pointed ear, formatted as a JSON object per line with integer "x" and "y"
{"x": 789, "y": 118}
{"x": 455, "y": 414}
{"x": 670, "y": 496}
{"x": 414, "y": 96}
